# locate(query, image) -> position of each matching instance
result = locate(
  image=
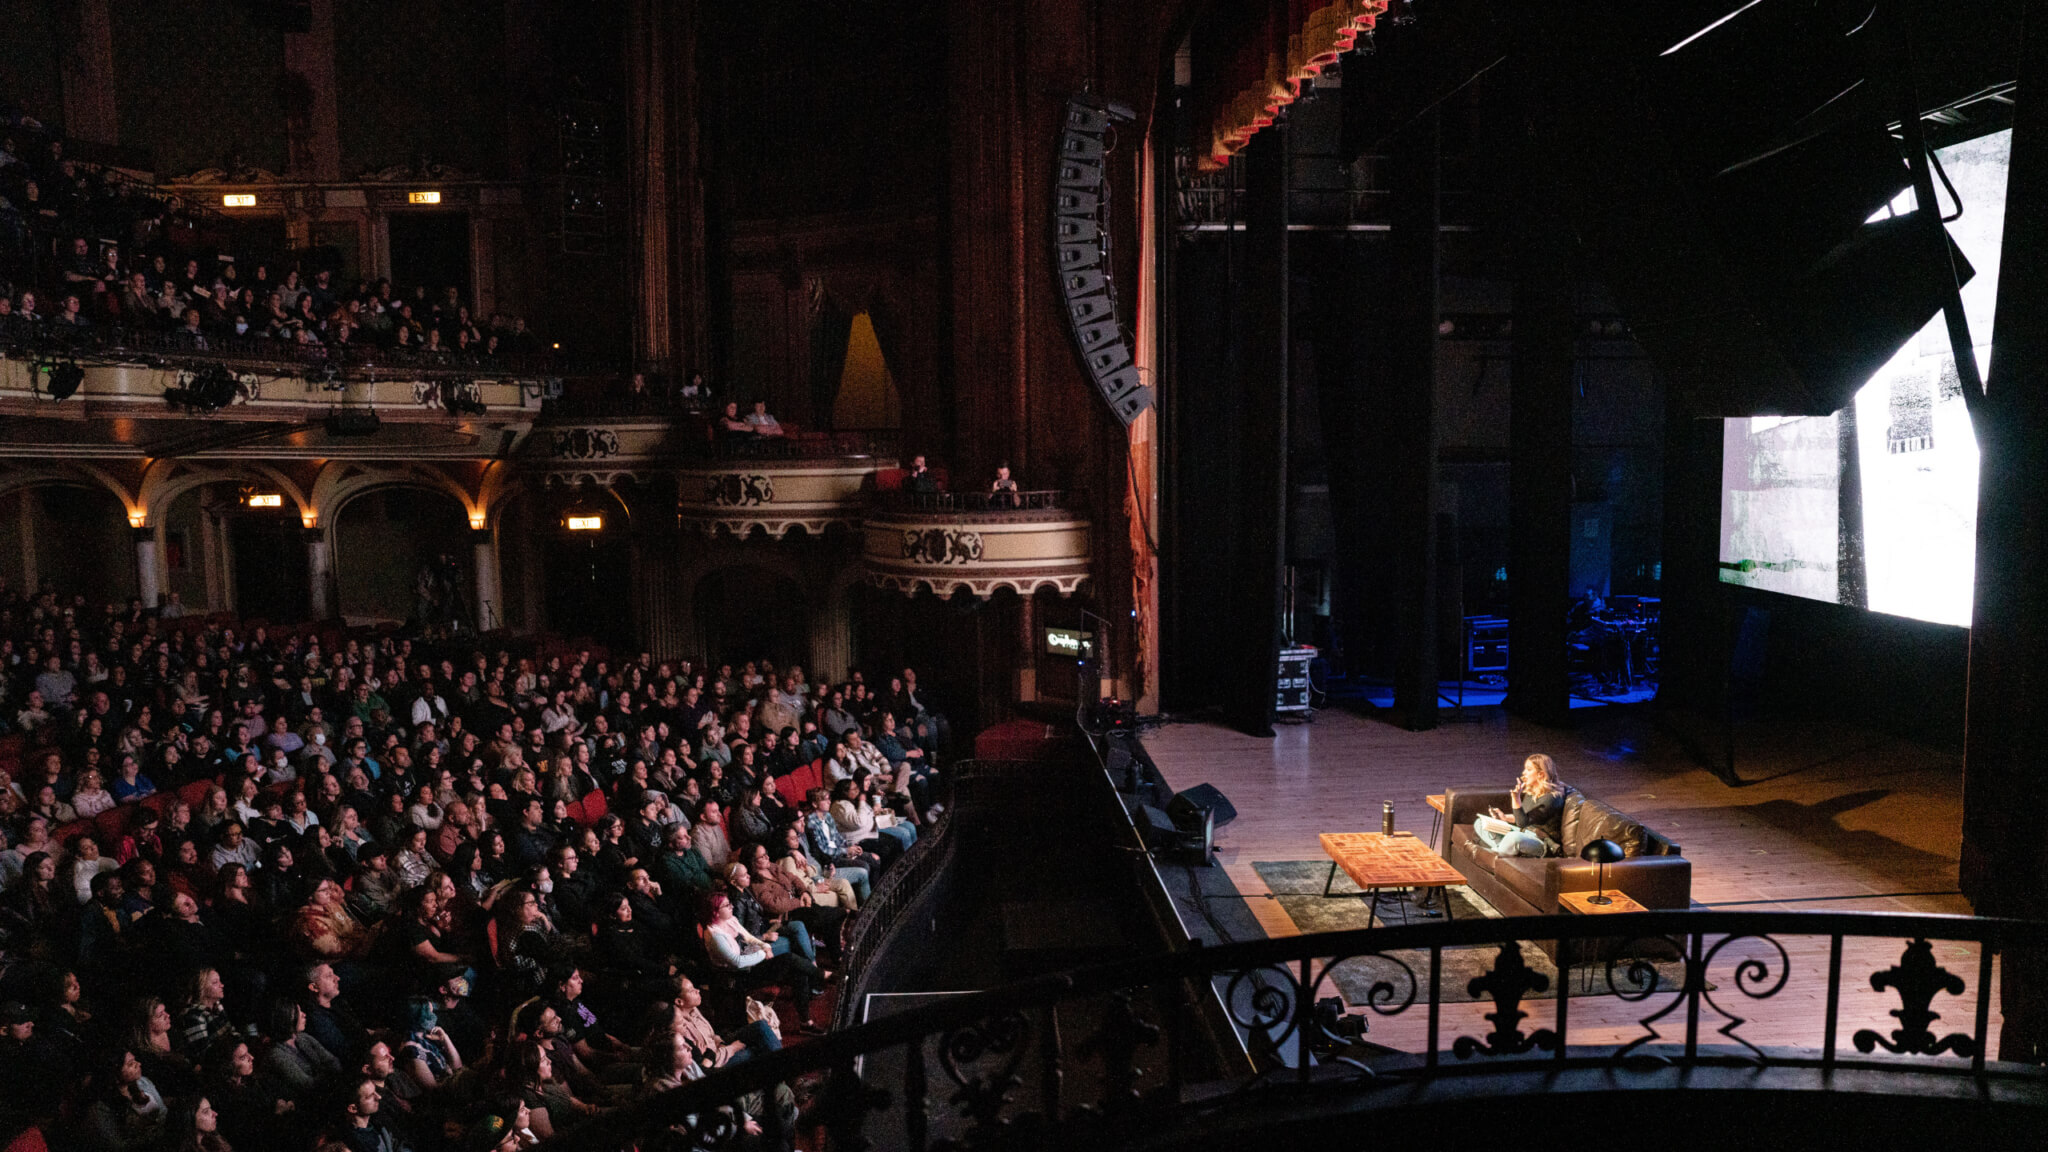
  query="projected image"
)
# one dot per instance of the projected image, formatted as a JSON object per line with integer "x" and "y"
{"x": 1876, "y": 506}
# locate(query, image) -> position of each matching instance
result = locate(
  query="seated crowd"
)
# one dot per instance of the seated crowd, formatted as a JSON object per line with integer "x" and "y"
{"x": 79, "y": 251}
{"x": 282, "y": 889}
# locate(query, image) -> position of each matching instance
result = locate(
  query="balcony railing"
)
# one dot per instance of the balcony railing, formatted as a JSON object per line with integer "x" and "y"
{"x": 803, "y": 446}
{"x": 46, "y": 338}
{"x": 1870, "y": 992}
{"x": 1045, "y": 500}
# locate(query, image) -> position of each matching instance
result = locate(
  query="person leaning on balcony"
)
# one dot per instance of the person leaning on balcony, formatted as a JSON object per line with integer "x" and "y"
{"x": 731, "y": 425}
{"x": 1002, "y": 493}
{"x": 761, "y": 422}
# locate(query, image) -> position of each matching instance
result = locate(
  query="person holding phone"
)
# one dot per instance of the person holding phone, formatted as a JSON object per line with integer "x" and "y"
{"x": 1536, "y": 823}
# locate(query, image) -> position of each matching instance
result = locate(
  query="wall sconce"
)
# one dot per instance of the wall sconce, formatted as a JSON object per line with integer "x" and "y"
{"x": 138, "y": 518}
{"x": 309, "y": 520}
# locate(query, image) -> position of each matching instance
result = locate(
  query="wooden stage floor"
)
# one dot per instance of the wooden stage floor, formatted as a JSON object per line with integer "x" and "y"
{"x": 1836, "y": 819}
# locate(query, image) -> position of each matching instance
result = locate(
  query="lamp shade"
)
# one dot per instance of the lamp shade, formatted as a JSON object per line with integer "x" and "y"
{"x": 1601, "y": 852}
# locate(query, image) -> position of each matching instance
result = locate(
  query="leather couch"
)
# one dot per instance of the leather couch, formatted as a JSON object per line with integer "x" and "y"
{"x": 1653, "y": 872}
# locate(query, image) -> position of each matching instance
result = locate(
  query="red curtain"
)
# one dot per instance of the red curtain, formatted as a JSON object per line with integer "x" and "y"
{"x": 1271, "y": 55}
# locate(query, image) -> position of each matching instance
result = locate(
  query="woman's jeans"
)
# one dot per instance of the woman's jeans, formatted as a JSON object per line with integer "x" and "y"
{"x": 1505, "y": 839}
{"x": 794, "y": 936}
{"x": 760, "y": 1040}
{"x": 904, "y": 832}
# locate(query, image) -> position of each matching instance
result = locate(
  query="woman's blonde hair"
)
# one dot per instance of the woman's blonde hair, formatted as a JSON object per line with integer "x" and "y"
{"x": 1546, "y": 772}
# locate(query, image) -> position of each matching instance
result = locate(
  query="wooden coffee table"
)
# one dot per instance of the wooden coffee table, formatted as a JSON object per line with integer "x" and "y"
{"x": 1436, "y": 818}
{"x": 1376, "y": 861}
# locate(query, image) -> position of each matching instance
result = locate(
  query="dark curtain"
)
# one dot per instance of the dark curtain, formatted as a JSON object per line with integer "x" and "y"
{"x": 829, "y": 331}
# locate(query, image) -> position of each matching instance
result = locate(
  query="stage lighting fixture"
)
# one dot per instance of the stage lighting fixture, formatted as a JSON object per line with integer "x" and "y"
{"x": 210, "y": 389}
{"x": 64, "y": 380}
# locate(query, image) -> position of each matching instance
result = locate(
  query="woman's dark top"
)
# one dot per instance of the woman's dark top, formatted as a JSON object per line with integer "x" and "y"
{"x": 1543, "y": 817}
{"x": 623, "y": 948}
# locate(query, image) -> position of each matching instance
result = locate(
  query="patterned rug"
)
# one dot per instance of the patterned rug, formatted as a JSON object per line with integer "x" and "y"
{"x": 1298, "y": 885}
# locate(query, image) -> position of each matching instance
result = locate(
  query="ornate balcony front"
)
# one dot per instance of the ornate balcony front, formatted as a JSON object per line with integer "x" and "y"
{"x": 950, "y": 541}
{"x": 810, "y": 481}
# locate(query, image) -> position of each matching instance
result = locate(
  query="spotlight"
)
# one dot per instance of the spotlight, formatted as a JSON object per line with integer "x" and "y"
{"x": 64, "y": 380}
{"x": 210, "y": 389}
{"x": 324, "y": 377}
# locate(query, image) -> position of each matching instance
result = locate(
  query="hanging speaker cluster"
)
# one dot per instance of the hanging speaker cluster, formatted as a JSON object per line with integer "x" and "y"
{"x": 1081, "y": 250}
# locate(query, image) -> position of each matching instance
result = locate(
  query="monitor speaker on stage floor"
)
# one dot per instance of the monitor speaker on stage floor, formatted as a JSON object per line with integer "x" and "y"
{"x": 1156, "y": 827}
{"x": 1188, "y": 808}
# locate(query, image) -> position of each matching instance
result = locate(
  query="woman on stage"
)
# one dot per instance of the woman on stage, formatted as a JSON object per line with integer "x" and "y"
{"x": 1537, "y": 822}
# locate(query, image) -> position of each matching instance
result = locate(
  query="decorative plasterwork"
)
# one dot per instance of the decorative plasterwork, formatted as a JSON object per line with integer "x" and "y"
{"x": 978, "y": 552}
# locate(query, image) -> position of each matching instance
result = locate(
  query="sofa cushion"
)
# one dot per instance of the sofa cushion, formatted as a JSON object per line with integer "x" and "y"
{"x": 1587, "y": 820}
{"x": 1526, "y": 877}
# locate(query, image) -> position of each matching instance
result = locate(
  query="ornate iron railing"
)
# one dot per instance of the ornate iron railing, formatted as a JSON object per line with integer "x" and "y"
{"x": 1010, "y": 1059}
{"x": 979, "y": 502}
{"x": 893, "y": 904}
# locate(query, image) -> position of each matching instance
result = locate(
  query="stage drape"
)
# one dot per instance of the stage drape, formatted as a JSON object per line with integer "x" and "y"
{"x": 1262, "y": 55}
{"x": 830, "y": 327}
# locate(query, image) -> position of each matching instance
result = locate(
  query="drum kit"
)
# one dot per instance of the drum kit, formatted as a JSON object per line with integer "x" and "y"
{"x": 1614, "y": 643}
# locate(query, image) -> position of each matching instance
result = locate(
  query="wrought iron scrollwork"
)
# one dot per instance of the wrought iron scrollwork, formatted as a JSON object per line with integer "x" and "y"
{"x": 1510, "y": 980}
{"x": 842, "y": 1107}
{"x": 1917, "y": 979}
{"x": 1261, "y": 1001}
{"x": 1633, "y": 980}
{"x": 983, "y": 1093}
{"x": 1123, "y": 1033}
{"x": 1752, "y": 978}
{"x": 1384, "y": 997}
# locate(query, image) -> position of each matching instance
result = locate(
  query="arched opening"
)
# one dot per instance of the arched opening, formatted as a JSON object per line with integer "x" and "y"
{"x": 753, "y": 613}
{"x": 402, "y": 553}
{"x": 586, "y": 576}
{"x": 73, "y": 537}
{"x": 867, "y": 396}
{"x": 267, "y": 555}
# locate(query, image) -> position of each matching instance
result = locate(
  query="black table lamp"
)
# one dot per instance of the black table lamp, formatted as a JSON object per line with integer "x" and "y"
{"x": 1603, "y": 853}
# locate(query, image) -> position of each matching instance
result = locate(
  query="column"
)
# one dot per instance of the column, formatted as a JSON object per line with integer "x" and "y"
{"x": 313, "y": 128}
{"x": 669, "y": 322}
{"x": 1540, "y": 460}
{"x": 1409, "y": 360}
{"x": 319, "y": 574}
{"x": 2004, "y": 869}
{"x": 1254, "y": 595}
{"x": 489, "y": 601}
{"x": 88, "y": 72}
{"x": 1027, "y": 649}
{"x": 148, "y": 581}
{"x": 30, "y": 577}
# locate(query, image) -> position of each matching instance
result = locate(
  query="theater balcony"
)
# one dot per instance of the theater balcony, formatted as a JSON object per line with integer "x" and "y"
{"x": 807, "y": 480}
{"x": 952, "y": 541}
{"x": 91, "y": 374}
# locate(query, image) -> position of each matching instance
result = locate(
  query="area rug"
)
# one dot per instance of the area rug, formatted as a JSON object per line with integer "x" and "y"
{"x": 1298, "y": 886}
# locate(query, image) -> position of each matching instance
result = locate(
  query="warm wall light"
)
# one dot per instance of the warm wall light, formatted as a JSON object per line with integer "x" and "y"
{"x": 584, "y": 523}
{"x": 477, "y": 521}
{"x": 265, "y": 500}
{"x": 423, "y": 197}
{"x": 238, "y": 200}
{"x": 309, "y": 519}
{"x": 137, "y": 519}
